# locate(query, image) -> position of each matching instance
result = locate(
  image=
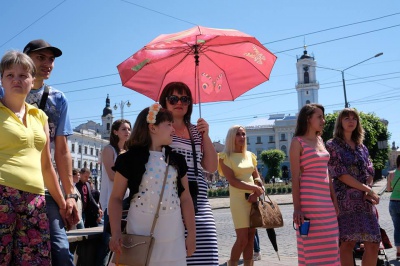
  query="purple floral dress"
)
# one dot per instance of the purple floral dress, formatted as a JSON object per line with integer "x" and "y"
{"x": 357, "y": 218}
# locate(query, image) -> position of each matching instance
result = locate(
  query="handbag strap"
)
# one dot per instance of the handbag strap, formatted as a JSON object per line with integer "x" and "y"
{"x": 159, "y": 201}
{"x": 396, "y": 181}
{"x": 196, "y": 170}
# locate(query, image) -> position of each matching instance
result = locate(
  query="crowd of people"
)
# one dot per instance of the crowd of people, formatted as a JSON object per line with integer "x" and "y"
{"x": 331, "y": 182}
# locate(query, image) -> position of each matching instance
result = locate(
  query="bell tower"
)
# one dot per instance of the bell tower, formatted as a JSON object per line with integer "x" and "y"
{"x": 307, "y": 86}
{"x": 107, "y": 120}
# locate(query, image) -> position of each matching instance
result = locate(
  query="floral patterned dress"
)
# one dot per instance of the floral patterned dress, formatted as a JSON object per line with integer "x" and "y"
{"x": 357, "y": 218}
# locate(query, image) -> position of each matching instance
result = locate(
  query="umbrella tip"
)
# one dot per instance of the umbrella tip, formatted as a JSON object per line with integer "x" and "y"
{"x": 277, "y": 253}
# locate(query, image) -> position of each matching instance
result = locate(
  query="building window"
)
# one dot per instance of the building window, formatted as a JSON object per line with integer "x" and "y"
{"x": 73, "y": 163}
{"x": 80, "y": 149}
{"x": 283, "y": 136}
{"x": 284, "y": 149}
{"x": 248, "y": 140}
{"x": 259, "y": 153}
{"x": 73, "y": 147}
{"x": 271, "y": 139}
{"x": 86, "y": 150}
{"x": 97, "y": 152}
{"x": 85, "y": 164}
{"x": 91, "y": 151}
{"x": 308, "y": 102}
{"x": 108, "y": 126}
{"x": 79, "y": 164}
{"x": 258, "y": 140}
{"x": 91, "y": 166}
{"x": 306, "y": 77}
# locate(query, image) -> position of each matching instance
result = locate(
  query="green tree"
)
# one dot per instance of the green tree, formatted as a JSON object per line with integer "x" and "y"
{"x": 273, "y": 159}
{"x": 375, "y": 130}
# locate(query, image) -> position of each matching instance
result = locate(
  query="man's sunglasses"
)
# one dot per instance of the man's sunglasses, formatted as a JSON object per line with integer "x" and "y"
{"x": 173, "y": 99}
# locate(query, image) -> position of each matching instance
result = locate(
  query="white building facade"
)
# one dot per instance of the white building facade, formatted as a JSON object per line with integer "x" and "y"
{"x": 277, "y": 131}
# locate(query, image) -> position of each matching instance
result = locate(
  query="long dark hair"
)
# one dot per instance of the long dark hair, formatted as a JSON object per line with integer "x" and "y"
{"x": 114, "y": 139}
{"x": 398, "y": 161}
{"x": 302, "y": 120}
{"x": 140, "y": 135}
{"x": 181, "y": 88}
{"x": 357, "y": 135}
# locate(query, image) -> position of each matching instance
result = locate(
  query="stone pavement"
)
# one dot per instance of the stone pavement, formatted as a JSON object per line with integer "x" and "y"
{"x": 286, "y": 236}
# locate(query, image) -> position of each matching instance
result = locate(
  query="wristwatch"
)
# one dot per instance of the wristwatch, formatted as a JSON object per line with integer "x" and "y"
{"x": 74, "y": 196}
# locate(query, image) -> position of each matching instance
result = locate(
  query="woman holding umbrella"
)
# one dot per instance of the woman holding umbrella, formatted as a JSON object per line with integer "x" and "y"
{"x": 193, "y": 142}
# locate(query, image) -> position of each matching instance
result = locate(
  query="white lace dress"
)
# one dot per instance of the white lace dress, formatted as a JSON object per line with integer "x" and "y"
{"x": 169, "y": 247}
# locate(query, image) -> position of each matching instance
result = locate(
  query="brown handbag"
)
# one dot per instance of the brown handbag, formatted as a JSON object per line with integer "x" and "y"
{"x": 136, "y": 249}
{"x": 265, "y": 214}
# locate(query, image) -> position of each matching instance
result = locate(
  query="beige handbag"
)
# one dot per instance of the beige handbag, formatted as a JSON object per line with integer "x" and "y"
{"x": 265, "y": 214}
{"x": 136, "y": 249}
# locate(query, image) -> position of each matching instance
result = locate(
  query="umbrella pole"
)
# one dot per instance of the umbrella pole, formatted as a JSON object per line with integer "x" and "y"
{"x": 196, "y": 75}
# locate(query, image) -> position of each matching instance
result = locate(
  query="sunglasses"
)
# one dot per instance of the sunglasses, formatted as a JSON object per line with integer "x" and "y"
{"x": 173, "y": 99}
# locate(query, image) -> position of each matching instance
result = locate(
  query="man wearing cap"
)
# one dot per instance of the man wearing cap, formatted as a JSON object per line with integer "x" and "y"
{"x": 55, "y": 105}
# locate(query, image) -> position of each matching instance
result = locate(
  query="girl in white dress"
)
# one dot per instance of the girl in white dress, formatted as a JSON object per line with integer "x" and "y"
{"x": 142, "y": 169}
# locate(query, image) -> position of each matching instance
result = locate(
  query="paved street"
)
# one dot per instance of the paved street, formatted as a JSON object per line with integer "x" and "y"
{"x": 286, "y": 237}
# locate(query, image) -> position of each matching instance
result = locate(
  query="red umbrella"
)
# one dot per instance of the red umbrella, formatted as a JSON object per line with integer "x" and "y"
{"x": 216, "y": 64}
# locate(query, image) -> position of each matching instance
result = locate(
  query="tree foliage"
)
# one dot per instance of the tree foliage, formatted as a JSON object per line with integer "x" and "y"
{"x": 375, "y": 130}
{"x": 273, "y": 159}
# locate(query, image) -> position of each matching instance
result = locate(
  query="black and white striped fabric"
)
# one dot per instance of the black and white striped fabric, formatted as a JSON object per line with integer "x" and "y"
{"x": 206, "y": 231}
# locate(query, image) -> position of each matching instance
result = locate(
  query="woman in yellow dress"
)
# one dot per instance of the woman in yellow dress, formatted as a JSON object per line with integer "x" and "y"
{"x": 239, "y": 166}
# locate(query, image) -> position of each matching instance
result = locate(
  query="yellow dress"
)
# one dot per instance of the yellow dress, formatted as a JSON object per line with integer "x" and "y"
{"x": 242, "y": 166}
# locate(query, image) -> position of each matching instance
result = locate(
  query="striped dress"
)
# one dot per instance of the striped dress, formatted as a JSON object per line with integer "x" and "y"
{"x": 206, "y": 231}
{"x": 321, "y": 246}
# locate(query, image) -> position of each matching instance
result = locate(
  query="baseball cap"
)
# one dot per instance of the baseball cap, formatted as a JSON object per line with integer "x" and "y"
{"x": 40, "y": 44}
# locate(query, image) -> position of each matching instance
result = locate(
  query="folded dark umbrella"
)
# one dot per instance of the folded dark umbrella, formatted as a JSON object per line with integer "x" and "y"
{"x": 272, "y": 237}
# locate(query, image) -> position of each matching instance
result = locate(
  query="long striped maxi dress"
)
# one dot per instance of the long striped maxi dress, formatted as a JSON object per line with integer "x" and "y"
{"x": 321, "y": 246}
{"x": 206, "y": 231}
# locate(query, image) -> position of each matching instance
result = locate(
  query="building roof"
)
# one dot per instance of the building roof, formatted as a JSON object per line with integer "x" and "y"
{"x": 262, "y": 122}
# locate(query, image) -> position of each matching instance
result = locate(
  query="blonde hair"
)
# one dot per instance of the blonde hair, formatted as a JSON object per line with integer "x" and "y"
{"x": 230, "y": 140}
{"x": 357, "y": 135}
{"x": 15, "y": 57}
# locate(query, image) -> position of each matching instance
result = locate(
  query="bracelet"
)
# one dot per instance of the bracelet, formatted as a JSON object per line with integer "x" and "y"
{"x": 370, "y": 192}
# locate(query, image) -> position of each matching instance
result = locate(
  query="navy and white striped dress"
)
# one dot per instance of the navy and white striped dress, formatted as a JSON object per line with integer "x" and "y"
{"x": 206, "y": 231}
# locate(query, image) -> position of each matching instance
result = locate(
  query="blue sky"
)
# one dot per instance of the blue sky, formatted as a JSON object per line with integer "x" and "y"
{"x": 95, "y": 36}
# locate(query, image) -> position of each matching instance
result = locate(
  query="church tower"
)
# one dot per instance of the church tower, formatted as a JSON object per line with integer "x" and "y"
{"x": 107, "y": 120}
{"x": 307, "y": 86}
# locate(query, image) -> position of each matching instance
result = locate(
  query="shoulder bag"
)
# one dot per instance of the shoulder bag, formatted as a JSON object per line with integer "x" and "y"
{"x": 265, "y": 214}
{"x": 136, "y": 249}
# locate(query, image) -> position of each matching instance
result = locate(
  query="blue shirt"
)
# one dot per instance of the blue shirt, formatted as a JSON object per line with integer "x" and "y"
{"x": 56, "y": 109}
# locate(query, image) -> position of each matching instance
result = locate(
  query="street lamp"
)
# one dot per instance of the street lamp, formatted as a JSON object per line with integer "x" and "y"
{"x": 346, "y": 104}
{"x": 121, "y": 107}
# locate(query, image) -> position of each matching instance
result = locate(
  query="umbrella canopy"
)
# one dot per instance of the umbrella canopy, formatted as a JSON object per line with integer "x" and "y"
{"x": 216, "y": 64}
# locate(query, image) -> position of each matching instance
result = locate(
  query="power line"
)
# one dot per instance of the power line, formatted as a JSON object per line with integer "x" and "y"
{"x": 48, "y": 12}
{"x": 158, "y": 12}
{"x": 341, "y": 38}
{"x": 333, "y": 28}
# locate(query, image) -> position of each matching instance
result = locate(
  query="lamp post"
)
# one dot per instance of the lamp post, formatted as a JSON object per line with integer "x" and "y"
{"x": 346, "y": 104}
{"x": 121, "y": 107}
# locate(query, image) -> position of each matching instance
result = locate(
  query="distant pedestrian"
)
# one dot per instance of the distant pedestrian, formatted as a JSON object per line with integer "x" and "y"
{"x": 91, "y": 211}
{"x": 352, "y": 172}
{"x": 393, "y": 185}
{"x": 239, "y": 166}
{"x": 142, "y": 168}
{"x": 312, "y": 192}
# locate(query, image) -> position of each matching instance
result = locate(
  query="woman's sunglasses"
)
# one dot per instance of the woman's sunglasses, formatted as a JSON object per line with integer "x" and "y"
{"x": 173, "y": 99}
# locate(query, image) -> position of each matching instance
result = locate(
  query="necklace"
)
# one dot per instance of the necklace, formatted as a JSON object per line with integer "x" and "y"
{"x": 180, "y": 133}
{"x": 19, "y": 114}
